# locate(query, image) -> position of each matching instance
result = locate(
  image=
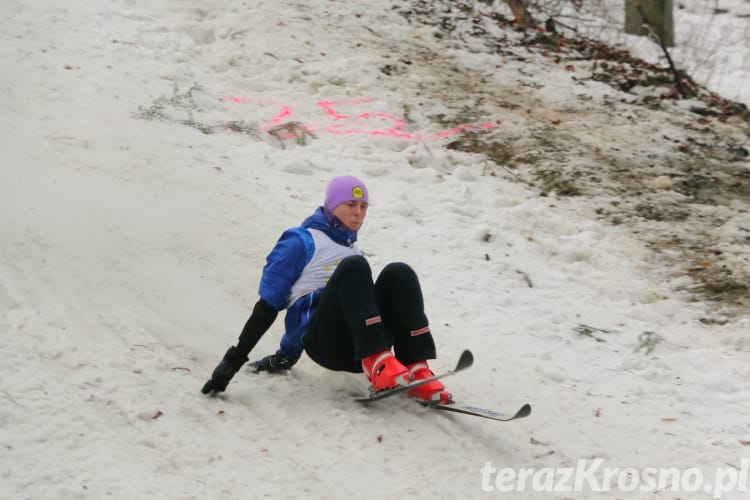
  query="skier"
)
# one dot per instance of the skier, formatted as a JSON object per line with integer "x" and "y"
{"x": 335, "y": 312}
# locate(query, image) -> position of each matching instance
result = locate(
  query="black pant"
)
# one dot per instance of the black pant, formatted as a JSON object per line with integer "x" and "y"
{"x": 356, "y": 317}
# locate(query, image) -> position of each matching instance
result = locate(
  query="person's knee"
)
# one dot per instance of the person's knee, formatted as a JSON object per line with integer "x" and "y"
{"x": 398, "y": 271}
{"x": 355, "y": 264}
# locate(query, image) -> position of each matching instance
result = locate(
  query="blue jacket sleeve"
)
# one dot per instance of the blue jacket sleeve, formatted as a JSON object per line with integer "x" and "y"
{"x": 284, "y": 266}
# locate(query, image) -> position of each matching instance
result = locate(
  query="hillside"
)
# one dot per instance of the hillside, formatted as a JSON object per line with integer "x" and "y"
{"x": 582, "y": 119}
{"x": 587, "y": 241}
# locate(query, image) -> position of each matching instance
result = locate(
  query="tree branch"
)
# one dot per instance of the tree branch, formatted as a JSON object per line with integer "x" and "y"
{"x": 654, "y": 32}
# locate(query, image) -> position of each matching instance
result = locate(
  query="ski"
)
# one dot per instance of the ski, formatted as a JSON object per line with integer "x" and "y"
{"x": 464, "y": 361}
{"x": 522, "y": 412}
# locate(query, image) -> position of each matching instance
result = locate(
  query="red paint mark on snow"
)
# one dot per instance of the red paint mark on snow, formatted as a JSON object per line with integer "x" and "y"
{"x": 341, "y": 123}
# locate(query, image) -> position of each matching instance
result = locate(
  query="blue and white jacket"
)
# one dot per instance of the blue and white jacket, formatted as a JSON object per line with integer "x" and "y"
{"x": 297, "y": 270}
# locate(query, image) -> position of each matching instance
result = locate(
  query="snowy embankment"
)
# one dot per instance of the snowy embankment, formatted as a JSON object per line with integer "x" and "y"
{"x": 132, "y": 244}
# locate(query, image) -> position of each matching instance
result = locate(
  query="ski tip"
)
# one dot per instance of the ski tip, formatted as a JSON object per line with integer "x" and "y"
{"x": 465, "y": 360}
{"x": 525, "y": 411}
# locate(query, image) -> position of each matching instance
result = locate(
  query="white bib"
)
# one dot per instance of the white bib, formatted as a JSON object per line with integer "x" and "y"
{"x": 326, "y": 258}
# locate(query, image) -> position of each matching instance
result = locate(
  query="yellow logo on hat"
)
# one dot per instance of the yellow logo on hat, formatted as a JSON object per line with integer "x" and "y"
{"x": 358, "y": 192}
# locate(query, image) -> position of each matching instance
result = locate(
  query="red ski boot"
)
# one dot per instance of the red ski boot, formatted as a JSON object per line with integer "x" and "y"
{"x": 384, "y": 371}
{"x": 431, "y": 391}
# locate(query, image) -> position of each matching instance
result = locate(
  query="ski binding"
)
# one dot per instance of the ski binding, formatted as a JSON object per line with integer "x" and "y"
{"x": 464, "y": 361}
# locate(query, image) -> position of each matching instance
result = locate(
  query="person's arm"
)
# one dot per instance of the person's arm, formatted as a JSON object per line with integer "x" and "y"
{"x": 259, "y": 322}
{"x": 283, "y": 266}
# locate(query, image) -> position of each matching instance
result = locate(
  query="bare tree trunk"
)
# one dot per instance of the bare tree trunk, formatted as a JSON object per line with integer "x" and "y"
{"x": 643, "y": 17}
{"x": 521, "y": 13}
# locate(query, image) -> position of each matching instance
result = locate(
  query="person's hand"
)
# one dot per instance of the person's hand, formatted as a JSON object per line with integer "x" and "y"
{"x": 273, "y": 363}
{"x": 224, "y": 372}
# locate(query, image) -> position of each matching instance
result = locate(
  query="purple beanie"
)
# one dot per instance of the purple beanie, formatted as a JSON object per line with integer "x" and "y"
{"x": 343, "y": 189}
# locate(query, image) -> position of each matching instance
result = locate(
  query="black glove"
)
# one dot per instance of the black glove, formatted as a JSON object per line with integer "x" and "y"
{"x": 273, "y": 363}
{"x": 224, "y": 372}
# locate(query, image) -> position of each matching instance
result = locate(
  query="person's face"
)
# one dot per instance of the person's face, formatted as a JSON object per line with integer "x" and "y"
{"x": 351, "y": 213}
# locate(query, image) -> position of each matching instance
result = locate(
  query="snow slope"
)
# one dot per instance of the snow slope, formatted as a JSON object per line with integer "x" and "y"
{"x": 132, "y": 244}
